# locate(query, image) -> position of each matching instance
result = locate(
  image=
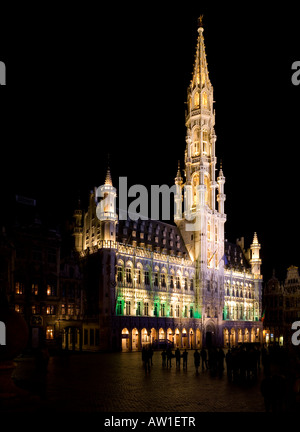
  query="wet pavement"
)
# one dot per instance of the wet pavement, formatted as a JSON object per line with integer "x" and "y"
{"x": 117, "y": 382}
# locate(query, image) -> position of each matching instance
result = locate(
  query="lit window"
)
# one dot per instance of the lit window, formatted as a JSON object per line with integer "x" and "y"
{"x": 171, "y": 311}
{"x": 204, "y": 100}
{"x": 120, "y": 274}
{"x": 34, "y": 289}
{"x": 70, "y": 309}
{"x": 197, "y": 100}
{"x": 128, "y": 275}
{"x": 49, "y": 333}
{"x": 205, "y": 142}
{"x": 119, "y": 308}
{"x": 19, "y": 288}
{"x": 50, "y": 310}
{"x": 146, "y": 309}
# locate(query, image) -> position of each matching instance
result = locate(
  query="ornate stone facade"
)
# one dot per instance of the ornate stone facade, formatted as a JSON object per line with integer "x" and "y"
{"x": 181, "y": 284}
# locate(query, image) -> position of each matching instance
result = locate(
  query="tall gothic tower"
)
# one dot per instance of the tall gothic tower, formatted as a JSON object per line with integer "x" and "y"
{"x": 202, "y": 221}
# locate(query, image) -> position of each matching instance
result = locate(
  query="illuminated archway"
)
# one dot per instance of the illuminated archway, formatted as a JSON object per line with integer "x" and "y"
{"x": 177, "y": 338}
{"x": 135, "y": 339}
{"x": 145, "y": 337}
{"x": 226, "y": 337}
{"x": 125, "y": 339}
{"x": 192, "y": 341}
{"x": 153, "y": 336}
{"x": 184, "y": 341}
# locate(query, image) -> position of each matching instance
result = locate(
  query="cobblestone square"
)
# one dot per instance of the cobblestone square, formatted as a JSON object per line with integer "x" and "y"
{"x": 117, "y": 382}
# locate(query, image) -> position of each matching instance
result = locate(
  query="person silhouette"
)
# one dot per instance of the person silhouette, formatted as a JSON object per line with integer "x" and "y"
{"x": 177, "y": 357}
{"x": 196, "y": 360}
{"x": 184, "y": 359}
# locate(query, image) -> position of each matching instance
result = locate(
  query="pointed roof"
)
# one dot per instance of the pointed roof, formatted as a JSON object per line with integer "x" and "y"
{"x": 255, "y": 239}
{"x": 200, "y": 71}
{"x": 108, "y": 180}
{"x": 178, "y": 179}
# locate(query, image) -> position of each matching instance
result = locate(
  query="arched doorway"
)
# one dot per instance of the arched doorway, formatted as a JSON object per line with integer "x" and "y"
{"x": 226, "y": 337}
{"x": 232, "y": 337}
{"x": 125, "y": 340}
{"x": 153, "y": 336}
{"x": 177, "y": 338}
{"x": 170, "y": 336}
{"x": 209, "y": 335}
{"x": 161, "y": 337}
{"x": 135, "y": 339}
{"x": 198, "y": 338}
{"x": 192, "y": 341}
{"x": 184, "y": 341}
{"x": 145, "y": 337}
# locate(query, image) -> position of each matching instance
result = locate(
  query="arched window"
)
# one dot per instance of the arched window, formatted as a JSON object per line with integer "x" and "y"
{"x": 205, "y": 142}
{"x": 196, "y": 143}
{"x": 195, "y": 184}
{"x": 208, "y": 231}
{"x": 206, "y": 182}
{"x": 204, "y": 100}
{"x": 197, "y": 100}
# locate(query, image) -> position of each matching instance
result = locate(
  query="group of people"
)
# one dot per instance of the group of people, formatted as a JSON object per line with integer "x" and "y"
{"x": 243, "y": 363}
{"x": 212, "y": 360}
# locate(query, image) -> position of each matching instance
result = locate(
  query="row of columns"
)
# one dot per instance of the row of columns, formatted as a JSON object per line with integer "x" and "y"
{"x": 135, "y": 339}
{"x": 233, "y": 336}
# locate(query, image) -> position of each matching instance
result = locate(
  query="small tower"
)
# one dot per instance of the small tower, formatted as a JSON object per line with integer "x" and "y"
{"x": 178, "y": 195}
{"x": 77, "y": 233}
{"x": 255, "y": 260}
{"x": 106, "y": 211}
{"x": 221, "y": 196}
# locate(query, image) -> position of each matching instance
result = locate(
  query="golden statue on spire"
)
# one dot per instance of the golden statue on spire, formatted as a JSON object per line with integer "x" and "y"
{"x": 200, "y": 21}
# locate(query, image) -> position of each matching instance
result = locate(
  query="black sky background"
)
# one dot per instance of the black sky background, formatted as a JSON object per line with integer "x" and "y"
{"x": 83, "y": 82}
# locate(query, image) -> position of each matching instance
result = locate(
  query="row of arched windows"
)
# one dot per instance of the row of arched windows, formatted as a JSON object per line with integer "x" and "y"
{"x": 197, "y": 98}
{"x": 153, "y": 277}
{"x": 239, "y": 293}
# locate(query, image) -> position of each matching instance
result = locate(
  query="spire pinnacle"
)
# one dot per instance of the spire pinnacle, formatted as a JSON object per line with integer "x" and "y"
{"x": 200, "y": 21}
{"x": 108, "y": 180}
{"x": 178, "y": 179}
{"x": 200, "y": 72}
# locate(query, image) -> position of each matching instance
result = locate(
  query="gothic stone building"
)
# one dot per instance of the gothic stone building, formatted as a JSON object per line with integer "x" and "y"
{"x": 281, "y": 305}
{"x": 184, "y": 284}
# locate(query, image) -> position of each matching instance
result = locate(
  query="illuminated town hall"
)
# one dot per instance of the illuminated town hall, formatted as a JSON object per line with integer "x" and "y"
{"x": 183, "y": 282}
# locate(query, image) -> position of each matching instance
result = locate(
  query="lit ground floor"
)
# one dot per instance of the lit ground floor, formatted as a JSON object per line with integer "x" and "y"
{"x": 133, "y": 335}
{"x": 129, "y": 333}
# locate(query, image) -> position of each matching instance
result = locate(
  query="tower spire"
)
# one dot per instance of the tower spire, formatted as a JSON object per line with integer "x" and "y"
{"x": 200, "y": 72}
{"x": 108, "y": 180}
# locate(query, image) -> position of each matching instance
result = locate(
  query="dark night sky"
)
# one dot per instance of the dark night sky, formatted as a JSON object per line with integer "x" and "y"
{"x": 82, "y": 82}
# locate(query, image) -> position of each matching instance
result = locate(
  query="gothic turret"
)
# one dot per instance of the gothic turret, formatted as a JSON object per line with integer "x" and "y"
{"x": 106, "y": 211}
{"x": 255, "y": 260}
